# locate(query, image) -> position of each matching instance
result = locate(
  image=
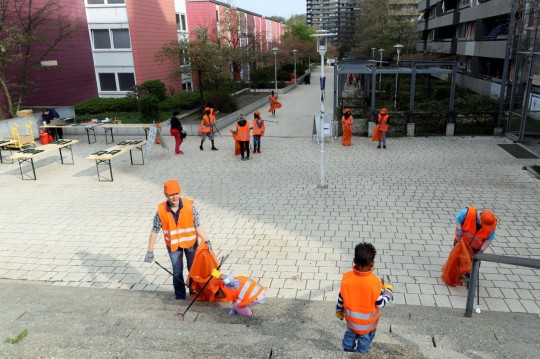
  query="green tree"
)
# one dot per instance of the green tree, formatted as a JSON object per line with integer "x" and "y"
{"x": 28, "y": 34}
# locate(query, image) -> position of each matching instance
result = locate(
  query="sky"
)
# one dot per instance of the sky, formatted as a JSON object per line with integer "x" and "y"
{"x": 284, "y": 8}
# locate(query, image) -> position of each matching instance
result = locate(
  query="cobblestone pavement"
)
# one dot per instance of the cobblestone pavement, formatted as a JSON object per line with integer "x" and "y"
{"x": 67, "y": 228}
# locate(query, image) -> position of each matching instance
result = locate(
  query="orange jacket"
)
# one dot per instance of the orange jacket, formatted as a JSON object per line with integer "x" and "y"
{"x": 242, "y": 132}
{"x": 258, "y": 127}
{"x": 347, "y": 121}
{"x": 474, "y": 237}
{"x": 273, "y": 99}
{"x": 383, "y": 120}
{"x": 245, "y": 294}
{"x": 206, "y": 125}
{"x": 360, "y": 291}
{"x": 181, "y": 234}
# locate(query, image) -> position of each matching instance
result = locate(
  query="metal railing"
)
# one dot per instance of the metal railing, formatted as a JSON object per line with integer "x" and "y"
{"x": 475, "y": 272}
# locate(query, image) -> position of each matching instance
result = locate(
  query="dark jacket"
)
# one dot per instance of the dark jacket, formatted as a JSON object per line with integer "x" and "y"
{"x": 175, "y": 123}
{"x": 52, "y": 115}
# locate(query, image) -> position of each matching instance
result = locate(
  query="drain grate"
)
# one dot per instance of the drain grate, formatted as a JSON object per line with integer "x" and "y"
{"x": 517, "y": 151}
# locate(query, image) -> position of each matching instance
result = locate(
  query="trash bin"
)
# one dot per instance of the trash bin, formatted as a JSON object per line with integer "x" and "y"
{"x": 307, "y": 79}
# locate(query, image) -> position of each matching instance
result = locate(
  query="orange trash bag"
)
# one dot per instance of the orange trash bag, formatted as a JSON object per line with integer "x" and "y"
{"x": 275, "y": 105}
{"x": 376, "y": 134}
{"x": 236, "y": 143}
{"x": 157, "y": 141}
{"x": 458, "y": 263}
{"x": 204, "y": 261}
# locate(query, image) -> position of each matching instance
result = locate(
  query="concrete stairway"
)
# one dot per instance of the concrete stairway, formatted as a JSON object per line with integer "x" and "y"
{"x": 65, "y": 322}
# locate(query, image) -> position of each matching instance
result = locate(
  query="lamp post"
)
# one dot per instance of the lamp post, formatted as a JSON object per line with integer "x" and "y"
{"x": 380, "y": 74}
{"x": 373, "y": 53}
{"x": 294, "y": 52}
{"x": 275, "y": 50}
{"x": 398, "y": 48}
{"x": 322, "y": 42}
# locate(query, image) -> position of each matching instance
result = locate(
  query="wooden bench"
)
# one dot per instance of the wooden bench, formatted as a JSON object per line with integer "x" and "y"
{"x": 105, "y": 156}
{"x": 6, "y": 144}
{"x": 28, "y": 155}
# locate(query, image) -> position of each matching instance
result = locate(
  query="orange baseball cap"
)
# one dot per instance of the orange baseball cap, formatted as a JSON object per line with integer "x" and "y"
{"x": 207, "y": 108}
{"x": 487, "y": 217}
{"x": 257, "y": 113}
{"x": 383, "y": 110}
{"x": 171, "y": 187}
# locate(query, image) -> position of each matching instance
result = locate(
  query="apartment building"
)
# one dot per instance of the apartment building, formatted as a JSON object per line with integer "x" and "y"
{"x": 324, "y": 15}
{"x": 473, "y": 32}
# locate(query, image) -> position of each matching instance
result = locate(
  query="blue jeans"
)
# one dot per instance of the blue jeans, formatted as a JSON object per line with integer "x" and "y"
{"x": 364, "y": 341}
{"x": 256, "y": 142}
{"x": 178, "y": 268}
{"x": 383, "y": 134}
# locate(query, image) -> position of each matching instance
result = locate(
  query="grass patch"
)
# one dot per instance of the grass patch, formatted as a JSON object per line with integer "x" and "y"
{"x": 17, "y": 339}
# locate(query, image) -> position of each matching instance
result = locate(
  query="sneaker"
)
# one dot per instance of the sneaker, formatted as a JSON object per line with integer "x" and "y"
{"x": 383, "y": 146}
{"x": 259, "y": 150}
{"x": 200, "y": 147}
{"x": 232, "y": 311}
{"x": 180, "y": 152}
{"x": 242, "y": 158}
{"x": 378, "y": 146}
{"x": 214, "y": 149}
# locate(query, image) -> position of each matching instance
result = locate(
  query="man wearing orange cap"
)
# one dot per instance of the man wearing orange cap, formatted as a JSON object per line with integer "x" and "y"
{"x": 182, "y": 232}
{"x": 383, "y": 122}
{"x": 258, "y": 131}
{"x": 476, "y": 228}
{"x": 347, "y": 125}
{"x": 207, "y": 128}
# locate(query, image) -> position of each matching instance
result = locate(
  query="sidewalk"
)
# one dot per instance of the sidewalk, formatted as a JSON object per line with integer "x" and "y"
{"x": 71, "y": 230}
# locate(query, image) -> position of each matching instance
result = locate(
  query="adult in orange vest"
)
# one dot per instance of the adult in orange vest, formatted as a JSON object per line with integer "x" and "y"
{"x": 361, "y": 297}
{"x": 242, "y": 133}
{"x": 258, "y": 131}
{"x": 274, "y": 103}
{"x": 293, "y": 78}
{"x": 242, "y": 291}
{"x": 182, "y": 232}
{"x": 207, "y": 128}
{"x": 347, "y": 125}
{"x": 383, "y": 122}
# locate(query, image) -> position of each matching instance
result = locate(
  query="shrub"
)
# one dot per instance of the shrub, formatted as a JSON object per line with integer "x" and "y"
{"x": 156, "y": 88}
{"x": 222, "y": 102}
{"x": 182, "y": 101}
{"x": 101, "y": 105}
{"x": 149, "y": 106}
{"x": 262, "y": 74}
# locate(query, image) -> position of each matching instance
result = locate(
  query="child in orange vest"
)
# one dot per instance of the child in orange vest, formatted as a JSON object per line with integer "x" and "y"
{"x": 361, "y": 297}
{"x": 242, "y": 291}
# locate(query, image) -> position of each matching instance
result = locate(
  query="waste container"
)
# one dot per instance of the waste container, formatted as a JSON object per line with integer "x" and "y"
{"x": 307, "y": 79}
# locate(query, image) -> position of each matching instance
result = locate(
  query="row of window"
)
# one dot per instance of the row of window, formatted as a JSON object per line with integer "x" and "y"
{"x": 111, "y": 39}
{"x": 121, "y": 81}
{"x": 105, "y": 2}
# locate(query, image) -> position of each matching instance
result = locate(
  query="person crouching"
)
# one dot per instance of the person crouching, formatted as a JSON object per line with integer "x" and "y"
{"x": 244, "y": 292}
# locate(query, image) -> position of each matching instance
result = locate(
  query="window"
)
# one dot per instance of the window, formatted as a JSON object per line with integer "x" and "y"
{"x": 183, "y": 18}
{"x": 181, "y": 22}
{"x": 121, "y": 38}
{"x": 101, "y": 39}
{"x": 126, "y": 81}
{"x": 108, "y": 81}
{"x": 111, "y": 39}
{"x": 105, "y": 2}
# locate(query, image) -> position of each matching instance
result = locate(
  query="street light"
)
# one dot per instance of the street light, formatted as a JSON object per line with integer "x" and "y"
{"x": 373, "y": 53}
{"x": 275, "y": 50}
{"x": 398, "y": 48}
{"x": 322, "y": 46}
{"x": 380, "y": 74}
{"x": 294, "y": 52}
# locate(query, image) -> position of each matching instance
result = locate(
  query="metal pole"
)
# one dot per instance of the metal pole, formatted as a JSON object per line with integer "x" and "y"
{"x": 295, "y": 68}
{"x": 275, "y": 74}
{"x": 473, "y": 281}
{"x": 323, "y": 180}
{"x": 395, "y": 96}
{"x": 380, "y": 73}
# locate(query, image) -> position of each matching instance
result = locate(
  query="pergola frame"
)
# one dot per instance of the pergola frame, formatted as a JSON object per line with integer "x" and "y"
{"x": 369, "y": 67}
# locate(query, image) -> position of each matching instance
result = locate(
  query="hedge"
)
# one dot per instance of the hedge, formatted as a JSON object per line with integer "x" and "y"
{"x": 101, "y": 105}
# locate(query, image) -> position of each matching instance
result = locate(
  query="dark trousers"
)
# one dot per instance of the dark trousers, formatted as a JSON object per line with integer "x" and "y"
{"x": 178, "y": 268}
{"x": 244, "y": 147}
{"x": 57, "y": 133}
{"x": 256, "y": 142}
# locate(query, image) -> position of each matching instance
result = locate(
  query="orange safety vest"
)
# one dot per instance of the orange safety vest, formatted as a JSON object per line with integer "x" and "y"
{"x": 383, "y": 120}
{"x": 245, "y": 294}
{"x": 273, "y": 98}
{"x": 242, "y": 132}
{"x": 181, "y": 234}
{"x": 206, "y": 125}
{"x": 346, "y": 121}
{"x": 470, "y": 233}
{"x": 360, "y": 291}
{"x": 258, "y": 131}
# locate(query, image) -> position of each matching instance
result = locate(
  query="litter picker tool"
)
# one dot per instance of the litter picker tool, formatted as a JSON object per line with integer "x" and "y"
{"x": 478, "y": 310}
{"x": 183, "y": 314}
{"x": 172, "y": 275}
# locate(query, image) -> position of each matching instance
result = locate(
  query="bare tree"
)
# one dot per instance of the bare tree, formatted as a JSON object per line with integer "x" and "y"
{"x": 28, "y": 34}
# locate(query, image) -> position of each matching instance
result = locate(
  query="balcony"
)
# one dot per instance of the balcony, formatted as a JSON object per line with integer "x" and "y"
{"x": 441, "y": 46}
{"x": 486, "y": 9}
{"x": 445, "y": 19}
{"x": 490, "y": 48}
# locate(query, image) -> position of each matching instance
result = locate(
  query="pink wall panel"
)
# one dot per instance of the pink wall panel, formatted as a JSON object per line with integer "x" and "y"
{"x": 73, "y": 80}
{"x": 201, "y": 14}
{"x": 152, "y": 24}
